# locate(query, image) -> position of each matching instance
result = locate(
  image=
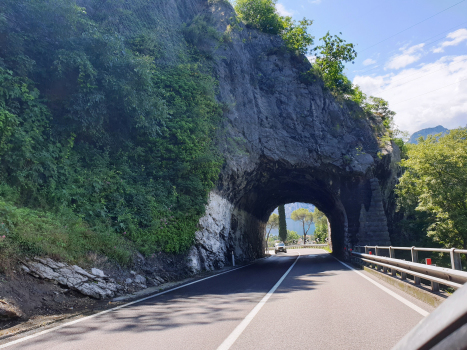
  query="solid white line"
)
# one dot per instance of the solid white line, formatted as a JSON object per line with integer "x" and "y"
{"x": 111, "y": 310}
{"x": 230, "y": 340}
{"x": 390, "y": 292}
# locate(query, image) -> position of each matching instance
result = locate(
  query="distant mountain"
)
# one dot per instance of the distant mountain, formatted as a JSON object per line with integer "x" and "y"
{"x": 429, "y": 131}
{"x": 289, "y": 208}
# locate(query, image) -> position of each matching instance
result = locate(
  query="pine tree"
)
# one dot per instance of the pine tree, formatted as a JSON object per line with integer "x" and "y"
{"x": 282, "y": 224}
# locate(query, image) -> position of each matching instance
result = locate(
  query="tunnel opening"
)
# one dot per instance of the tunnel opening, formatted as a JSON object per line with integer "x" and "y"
{"x": 305, "y": 225}
{"x": 257, "y": 194}
{"x": 239, "y": 208}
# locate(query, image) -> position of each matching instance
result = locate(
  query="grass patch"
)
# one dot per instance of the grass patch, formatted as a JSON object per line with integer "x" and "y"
{"x": 62, "y": 236}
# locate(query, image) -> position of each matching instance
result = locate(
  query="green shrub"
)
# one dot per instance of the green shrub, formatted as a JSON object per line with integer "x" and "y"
{"x": 262, "y": 15}
{"x": 63, "y": 236}
{"x": 96, "y": 136}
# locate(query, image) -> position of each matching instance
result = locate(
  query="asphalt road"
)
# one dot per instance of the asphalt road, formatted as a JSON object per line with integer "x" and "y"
{"x": 319, "y": 304}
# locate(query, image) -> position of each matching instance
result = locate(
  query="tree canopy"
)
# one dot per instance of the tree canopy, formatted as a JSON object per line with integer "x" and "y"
{"x": 91, "y": 123}
{"x": 273, "y": 222}
{"x": 435, "y": 183}
{"x": 305, "y": 217}
{"x": 282, "y": 223}
{"x": 292, "y": 236}
{"x": 321, "y": 226}
{"x": 263, "y": 15}
{"x": 330, "y": 58}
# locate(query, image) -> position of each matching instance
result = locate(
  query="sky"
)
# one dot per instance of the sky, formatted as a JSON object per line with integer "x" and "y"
{"x": 412, "y": 53}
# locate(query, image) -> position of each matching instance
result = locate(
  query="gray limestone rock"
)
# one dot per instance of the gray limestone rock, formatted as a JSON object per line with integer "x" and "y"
{"x": 285, "y": 138}
{"x": 97, "y": 272}
{"x": 140, "y": 279}
{"x": 74, "y": 277}
{"x": 9, "y": 311}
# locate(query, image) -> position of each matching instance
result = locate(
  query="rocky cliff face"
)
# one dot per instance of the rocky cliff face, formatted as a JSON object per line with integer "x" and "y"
{"x": 286, "y": 139}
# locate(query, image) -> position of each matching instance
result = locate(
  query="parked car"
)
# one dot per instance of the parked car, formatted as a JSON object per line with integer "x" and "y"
{"x": 279, "y": 247}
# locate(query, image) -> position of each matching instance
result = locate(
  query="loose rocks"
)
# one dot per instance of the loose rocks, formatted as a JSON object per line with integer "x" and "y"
{"x": 8, "y": 311}
{"x": 95, "y": 285}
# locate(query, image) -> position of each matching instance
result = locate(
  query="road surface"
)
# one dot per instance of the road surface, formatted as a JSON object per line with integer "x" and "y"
{"x": 304, "y": 299}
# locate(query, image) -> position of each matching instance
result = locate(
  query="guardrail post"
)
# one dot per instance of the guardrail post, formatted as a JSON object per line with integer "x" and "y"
{"x": 377, "y": 267}
{"x": 456, "y": 262}
{"x": 434, "y": 285}
{"x": 366, "y": 249}
{"x": 403, "y": 276}
{"x": 415, "y": 260}
{"x": 392, "y": 255}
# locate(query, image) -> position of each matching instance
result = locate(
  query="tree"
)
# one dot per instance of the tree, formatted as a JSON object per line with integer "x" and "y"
{"x": 260, "y": 14}
{"x": 282, "y": 223}
{"x": 380, "y": 108}
{"x": 305, "y": 217}
{"x": 292, "y": 236}
{"x": 330, "y": 59}
{"x": 296, "y": 36}
{"x": 272, "y": 223}
{"x": 263, "y": 15}
{"x": 435, "y": 181}
{"x": 321, "y": 224}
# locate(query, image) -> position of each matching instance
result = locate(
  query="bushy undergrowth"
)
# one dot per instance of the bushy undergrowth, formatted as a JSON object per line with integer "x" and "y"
{"x": 62, "y": 236}
{"x": 97, "y": 134}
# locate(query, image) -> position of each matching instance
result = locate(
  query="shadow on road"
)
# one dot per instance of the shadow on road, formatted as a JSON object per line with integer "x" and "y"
{"x": 227, "y": 297}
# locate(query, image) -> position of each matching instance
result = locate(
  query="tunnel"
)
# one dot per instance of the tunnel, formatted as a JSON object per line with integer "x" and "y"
{"x": 284, "y": 137}
{"x": 240, "y": 207}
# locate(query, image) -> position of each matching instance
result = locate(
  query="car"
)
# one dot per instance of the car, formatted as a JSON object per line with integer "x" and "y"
{"x": 279, "y": 247}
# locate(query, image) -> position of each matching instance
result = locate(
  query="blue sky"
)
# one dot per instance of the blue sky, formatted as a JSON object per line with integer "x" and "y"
{"x": 422, "y": 71}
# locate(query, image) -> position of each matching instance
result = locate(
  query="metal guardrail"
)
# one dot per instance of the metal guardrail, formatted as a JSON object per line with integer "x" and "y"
{"x": 453, "y": 252}
{"x": 453, "y": 277}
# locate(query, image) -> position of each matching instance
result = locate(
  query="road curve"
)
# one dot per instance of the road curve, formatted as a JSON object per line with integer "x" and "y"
{"x": 319, "y": 304}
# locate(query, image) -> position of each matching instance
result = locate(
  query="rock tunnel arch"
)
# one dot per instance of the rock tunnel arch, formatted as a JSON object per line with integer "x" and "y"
{"x": 281, "y": 185}
{"x": 286, "y": 138}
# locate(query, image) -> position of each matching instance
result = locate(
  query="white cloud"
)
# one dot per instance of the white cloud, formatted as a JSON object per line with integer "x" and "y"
{"x": 411, "y": 94}
{"x": 315, "y": 1}
{"x": 368, "y": 61}
{"x": 456, "y": 37}
{"x": 283, "y": 11}
{"x": 408, "y": 56}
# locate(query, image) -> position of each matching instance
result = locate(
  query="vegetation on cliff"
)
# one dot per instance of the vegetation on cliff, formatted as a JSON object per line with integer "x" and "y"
{"x": 102, "y": 143}
{"x": 262, "y": 15}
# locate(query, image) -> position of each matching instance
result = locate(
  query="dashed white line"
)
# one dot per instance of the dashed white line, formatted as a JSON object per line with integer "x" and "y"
{"x": 230, "y": 340}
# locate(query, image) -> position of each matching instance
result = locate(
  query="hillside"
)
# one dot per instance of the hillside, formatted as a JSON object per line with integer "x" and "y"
{"x": 428, "y": 131}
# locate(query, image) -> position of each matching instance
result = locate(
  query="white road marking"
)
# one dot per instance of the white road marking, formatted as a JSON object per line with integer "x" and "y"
{"x": 230, "y": 340}
{"x": 390, "y": 292}
{"x": 113, "y": 309}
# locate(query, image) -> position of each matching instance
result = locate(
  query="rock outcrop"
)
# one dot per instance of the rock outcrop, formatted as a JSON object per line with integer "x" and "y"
{"x": 74, "y": 277}
{"x": 287, "y": 139}
{"x": 9, "y": 311}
